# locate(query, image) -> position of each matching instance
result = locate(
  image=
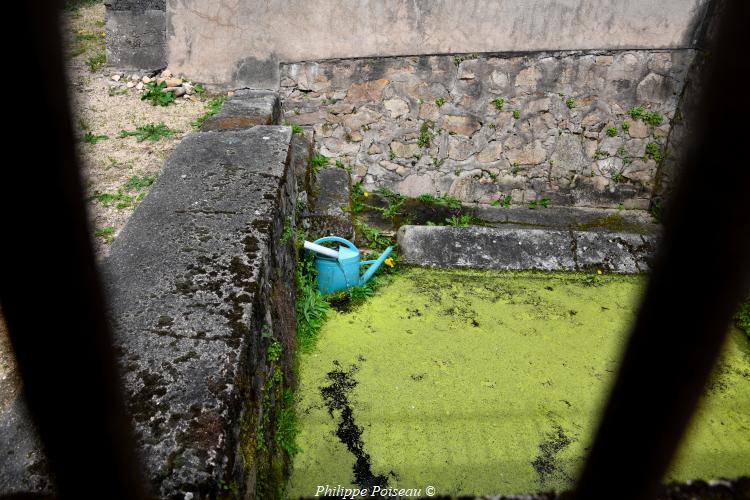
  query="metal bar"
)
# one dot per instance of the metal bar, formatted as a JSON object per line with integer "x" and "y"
{"x": 701, "y": 273}
{"x": 50, "y": 290}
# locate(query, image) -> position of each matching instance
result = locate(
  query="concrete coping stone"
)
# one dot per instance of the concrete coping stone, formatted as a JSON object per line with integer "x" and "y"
{"x": 523, "y": 248}
{"x": 246, "y": 108}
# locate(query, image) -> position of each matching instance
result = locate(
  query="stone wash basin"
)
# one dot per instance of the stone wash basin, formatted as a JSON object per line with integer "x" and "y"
{"x": 488, "y": 383}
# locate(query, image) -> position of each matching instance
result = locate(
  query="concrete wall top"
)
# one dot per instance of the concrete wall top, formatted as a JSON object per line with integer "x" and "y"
{"x": 240, "y": 43}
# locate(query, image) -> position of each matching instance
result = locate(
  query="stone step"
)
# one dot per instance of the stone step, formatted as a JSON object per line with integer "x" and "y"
{"x": 245, "y": 109}
{"x": 519, "y": 248}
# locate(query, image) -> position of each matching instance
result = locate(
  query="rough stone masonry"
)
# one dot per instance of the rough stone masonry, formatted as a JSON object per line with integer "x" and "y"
{"x": 557, "y": 125}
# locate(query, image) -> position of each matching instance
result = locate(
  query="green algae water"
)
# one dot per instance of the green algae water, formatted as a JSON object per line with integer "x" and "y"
{"x": 481, "y": 383}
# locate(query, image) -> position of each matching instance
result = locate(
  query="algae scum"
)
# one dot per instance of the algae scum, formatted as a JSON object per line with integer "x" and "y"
{"x": 481, "y": 383}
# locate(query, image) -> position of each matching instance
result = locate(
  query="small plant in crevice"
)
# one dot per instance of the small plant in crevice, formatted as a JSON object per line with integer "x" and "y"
{"x": 503, "y": 202}
{"x": 287, "y": 426}
{"x": 445, "y": 199}
{"x": 340, "y": 164}
{"x": 273, "y": 353}
{"x": 151, "y": 132}
{"x": 544, "y": 203}
{"x": 358, "y": 194}
{"x": 423, "y": 141}
{"x": 395, "y": 201}
{"x": 516, "y": 114}
{"x": 212, "y": 107}
{"x": 439, "y": 102}
{"x": 600, "y": 153}
{"x": 156, "y": 94}
{"x": 653, "y": 151}
{"x": 459, "y": 220}
{"x": 570, "y": 102}
{"x": 90, "y": 138}
{"x": 618, "y": 177}
{"x": 625, "y": 126}
{"x": 371, "y": 238}
{"x": 636, "y": 112}
{"x": 499, "y": 103}
{"x": 296, "y": 129}
{"x": 611, "y": 131}
{"x": 319, "y": 160}
{"x": 653, "y": 118}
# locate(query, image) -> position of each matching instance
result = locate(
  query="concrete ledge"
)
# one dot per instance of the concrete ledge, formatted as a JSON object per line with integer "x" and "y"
{"x": 197, "y": 274}
{"x": 518, "y": 248}
{"x": 245, "y": 109}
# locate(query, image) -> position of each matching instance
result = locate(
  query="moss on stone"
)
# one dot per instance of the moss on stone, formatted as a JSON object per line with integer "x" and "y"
{"x": 488, "y": 382}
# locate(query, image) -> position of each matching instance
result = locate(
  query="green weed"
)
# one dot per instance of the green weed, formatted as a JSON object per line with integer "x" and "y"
{"x": 439, "y": 102}
{"x": 136, "y": 183}
{"x": 653, "y": 151}
{"x": 516, "y": 114}
{"x": 106, "y": 233}
{"x": 273, "y": 353}
{"x": 90, "y": 138}
{"x": 312, "y": 309}
{"x": 653, "y": 118}
{"x": 371, "y": 237}
{"x": 636, "y": 112}
{"x": 544, "y": 203}
{"x": 212, "y": 107}
{"x": 503, "y": 202}
{"x": 611, "y": 131}
{"x": 395, "y": 201}
{"x": 96, "y": 62}
{"x": 445, "y": 199}
{"x": 156, "y": 94}
{"x": 318, "y": 160}
{"x": 570, "y": 102}
{"x": 459, "y": 220}
{"x": 151, "y": 132}
{"x": 499, "y": 103}
{"x": 423, "y": 141}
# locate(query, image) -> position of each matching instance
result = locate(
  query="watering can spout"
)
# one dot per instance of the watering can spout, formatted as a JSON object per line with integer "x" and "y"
{"x": 374, "y": 265}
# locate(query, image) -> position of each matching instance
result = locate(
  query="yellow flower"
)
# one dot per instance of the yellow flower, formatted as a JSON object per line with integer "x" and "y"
{"x": 388, "y": 262}
{"x": 365, "y": 194}
{"x": 598, "y": 271}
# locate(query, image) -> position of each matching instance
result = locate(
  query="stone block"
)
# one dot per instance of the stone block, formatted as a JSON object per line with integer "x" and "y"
{"x": 246, "y": 108}
{"x": 198, "y": 273}
{"x": 329, "y": 211}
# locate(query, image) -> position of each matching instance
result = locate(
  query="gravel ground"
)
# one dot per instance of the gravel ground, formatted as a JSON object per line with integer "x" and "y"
{"x": 108, "y": 164}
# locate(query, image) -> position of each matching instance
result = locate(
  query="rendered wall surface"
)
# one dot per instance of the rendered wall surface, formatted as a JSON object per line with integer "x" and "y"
{"x": 240, "y": 43}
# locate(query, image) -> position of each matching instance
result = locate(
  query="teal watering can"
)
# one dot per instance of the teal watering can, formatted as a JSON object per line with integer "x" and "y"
{"x": 339, "y": 269}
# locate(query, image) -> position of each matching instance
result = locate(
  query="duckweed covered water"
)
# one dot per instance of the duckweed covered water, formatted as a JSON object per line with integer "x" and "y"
{"x": 486, "y": 382}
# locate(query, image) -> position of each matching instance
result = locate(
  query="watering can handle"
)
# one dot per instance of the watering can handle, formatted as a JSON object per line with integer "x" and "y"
{"x": 338, "y": 240}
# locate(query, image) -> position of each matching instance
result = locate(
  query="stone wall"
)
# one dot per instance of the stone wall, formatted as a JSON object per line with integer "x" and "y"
{"x": 535, "y": 125}
{"x": 136, "y": 34}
